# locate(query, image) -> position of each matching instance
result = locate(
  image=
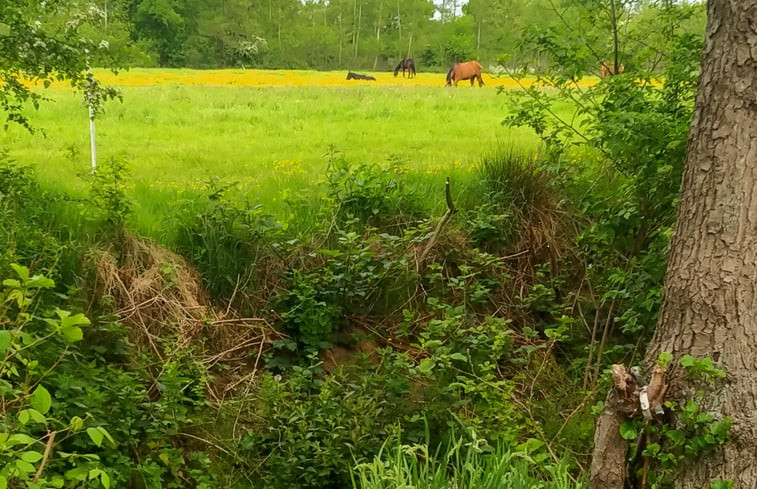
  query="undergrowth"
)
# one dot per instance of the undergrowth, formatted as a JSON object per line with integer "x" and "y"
{"x": 259, "y": 354}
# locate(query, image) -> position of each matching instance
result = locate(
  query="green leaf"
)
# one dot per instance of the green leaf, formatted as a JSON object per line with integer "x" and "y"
{"x": 40, "y": 282}
{"x": 41, "y": 400}
{"x": 3, "y": 482}
{"x": 107, "y": 436}
{"x": 426, "y": 366}
{"x": 20, "y": 439}
{"x": 5, "y": 340}
{"x": 66, "y": 320}
{"x": 458, "y": 356}
{"x": 628, "y": 430}
{"x": 688, "y": 361}
{"x": 31, "y": 457}
{"x": 76, "y": 424}
{"x": 652, "y": 450}
{"x": 105, "y": 479}
{"x": 27, "y": 415}
{"x": 77, "y": 473}
{"x": 664, "y": 359}
{"x": 21, "y": 271}
{"x": 72, "y": 334}
{"x": 12, "y": 283}
{"x": 675, "y": 436}
{"x": 24, "y": 467}
{"x": 96, "y": 435}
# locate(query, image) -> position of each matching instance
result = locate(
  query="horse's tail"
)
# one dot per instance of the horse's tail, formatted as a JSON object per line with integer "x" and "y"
{"x": 449, "y": 76}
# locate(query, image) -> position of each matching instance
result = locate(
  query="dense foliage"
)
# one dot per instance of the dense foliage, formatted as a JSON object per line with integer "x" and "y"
{"x": 382, "y": 343}
{"x": 368, "y": 34}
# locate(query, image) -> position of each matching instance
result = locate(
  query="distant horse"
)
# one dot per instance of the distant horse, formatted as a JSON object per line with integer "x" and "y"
{"x": 469, "y": 70}
{"x": 358, "y": 76}
{"x": 609, "y": 69}
{"x": 407, "y": 64}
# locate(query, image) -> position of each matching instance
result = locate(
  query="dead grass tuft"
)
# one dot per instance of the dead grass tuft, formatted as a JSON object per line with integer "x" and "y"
{"x": 162, "y": 301}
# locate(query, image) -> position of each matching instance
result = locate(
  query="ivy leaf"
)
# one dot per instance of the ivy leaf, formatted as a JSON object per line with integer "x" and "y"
{"x": 675, "y": 436}
{"x": 628, "y": 430}
{"x": 41, "y": 400}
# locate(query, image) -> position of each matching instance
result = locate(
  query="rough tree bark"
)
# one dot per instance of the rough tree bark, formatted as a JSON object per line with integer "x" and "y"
{"x": 710, "y": 295}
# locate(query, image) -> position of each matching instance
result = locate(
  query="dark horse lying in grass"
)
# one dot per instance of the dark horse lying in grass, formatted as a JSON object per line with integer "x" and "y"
{"x": 470, "y": 70}
{"x": 407, "y": 64}
{"x": 358, "y": 76}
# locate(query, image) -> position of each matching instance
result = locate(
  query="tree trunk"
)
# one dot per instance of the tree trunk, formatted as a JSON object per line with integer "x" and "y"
{"x": 378, "y": 34}
{"x": 710, "y": 295}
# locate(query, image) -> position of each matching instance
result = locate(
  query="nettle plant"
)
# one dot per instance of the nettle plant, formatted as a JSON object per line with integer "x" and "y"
{"x": 33, "y": 340}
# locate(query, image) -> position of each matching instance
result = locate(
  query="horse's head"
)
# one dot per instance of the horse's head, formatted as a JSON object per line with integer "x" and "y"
{"x": 350, "y": 75}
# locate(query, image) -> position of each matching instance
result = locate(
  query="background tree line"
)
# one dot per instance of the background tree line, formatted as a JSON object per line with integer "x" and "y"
{"x": 375, "y": 34}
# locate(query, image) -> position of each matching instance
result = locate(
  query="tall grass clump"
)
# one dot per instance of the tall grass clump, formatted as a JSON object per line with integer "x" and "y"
{"x": 514, "y": 178}
{"x": 459, "y": 465}
{"x": 522, "y": 209}
{"x": 225, "y": 238}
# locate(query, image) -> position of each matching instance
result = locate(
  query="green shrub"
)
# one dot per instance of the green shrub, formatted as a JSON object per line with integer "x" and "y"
{"x": 113, "y": 426}
{"x": 225, "y": 239}
{"x": 312, "y": 427}
{"x": 369, "y": 194}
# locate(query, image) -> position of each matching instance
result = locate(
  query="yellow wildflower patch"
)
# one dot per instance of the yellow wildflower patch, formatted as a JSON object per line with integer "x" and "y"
{"x": 286, "y": 78}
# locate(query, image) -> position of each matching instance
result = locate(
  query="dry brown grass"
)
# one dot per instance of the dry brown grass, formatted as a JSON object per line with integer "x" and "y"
{"x": 161, "y": 300}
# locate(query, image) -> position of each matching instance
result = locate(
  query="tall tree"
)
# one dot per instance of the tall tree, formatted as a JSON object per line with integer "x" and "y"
{"x": 41, "y": 42}
{"x": 710, "y": 296}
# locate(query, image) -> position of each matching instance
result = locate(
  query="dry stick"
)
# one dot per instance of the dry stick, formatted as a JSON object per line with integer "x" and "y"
{"x": 254, "y": 370}
{"x": 602, "y": 343}
{"x": 45, "y": 455}
{"x": 587, "y": 370}
{"x": 440, "y": 226}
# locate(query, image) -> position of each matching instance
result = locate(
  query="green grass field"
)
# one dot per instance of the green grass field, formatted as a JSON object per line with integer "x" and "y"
{"x": 271, "y": 140}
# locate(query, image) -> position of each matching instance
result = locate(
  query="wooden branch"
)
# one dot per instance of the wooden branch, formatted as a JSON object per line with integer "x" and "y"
{"x": 45, "y": 455}
{"x": 440, "y": 226}
{"x": 608, "y": 464}
{"x": 624, "y": 401}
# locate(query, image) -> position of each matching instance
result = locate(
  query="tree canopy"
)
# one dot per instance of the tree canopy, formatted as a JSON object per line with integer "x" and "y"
{"x": 374, "y": 34}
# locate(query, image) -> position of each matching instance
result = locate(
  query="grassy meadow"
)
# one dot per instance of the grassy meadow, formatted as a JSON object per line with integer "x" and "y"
{"x": 268, "y": 131}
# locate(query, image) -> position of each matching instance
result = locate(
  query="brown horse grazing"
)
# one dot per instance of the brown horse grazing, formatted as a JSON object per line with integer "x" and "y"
{"x": 470, "y": 70}
{"x": 359, "y": 76}
{"x": 407, "y": 64}
{"x": 609, "y": 69}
